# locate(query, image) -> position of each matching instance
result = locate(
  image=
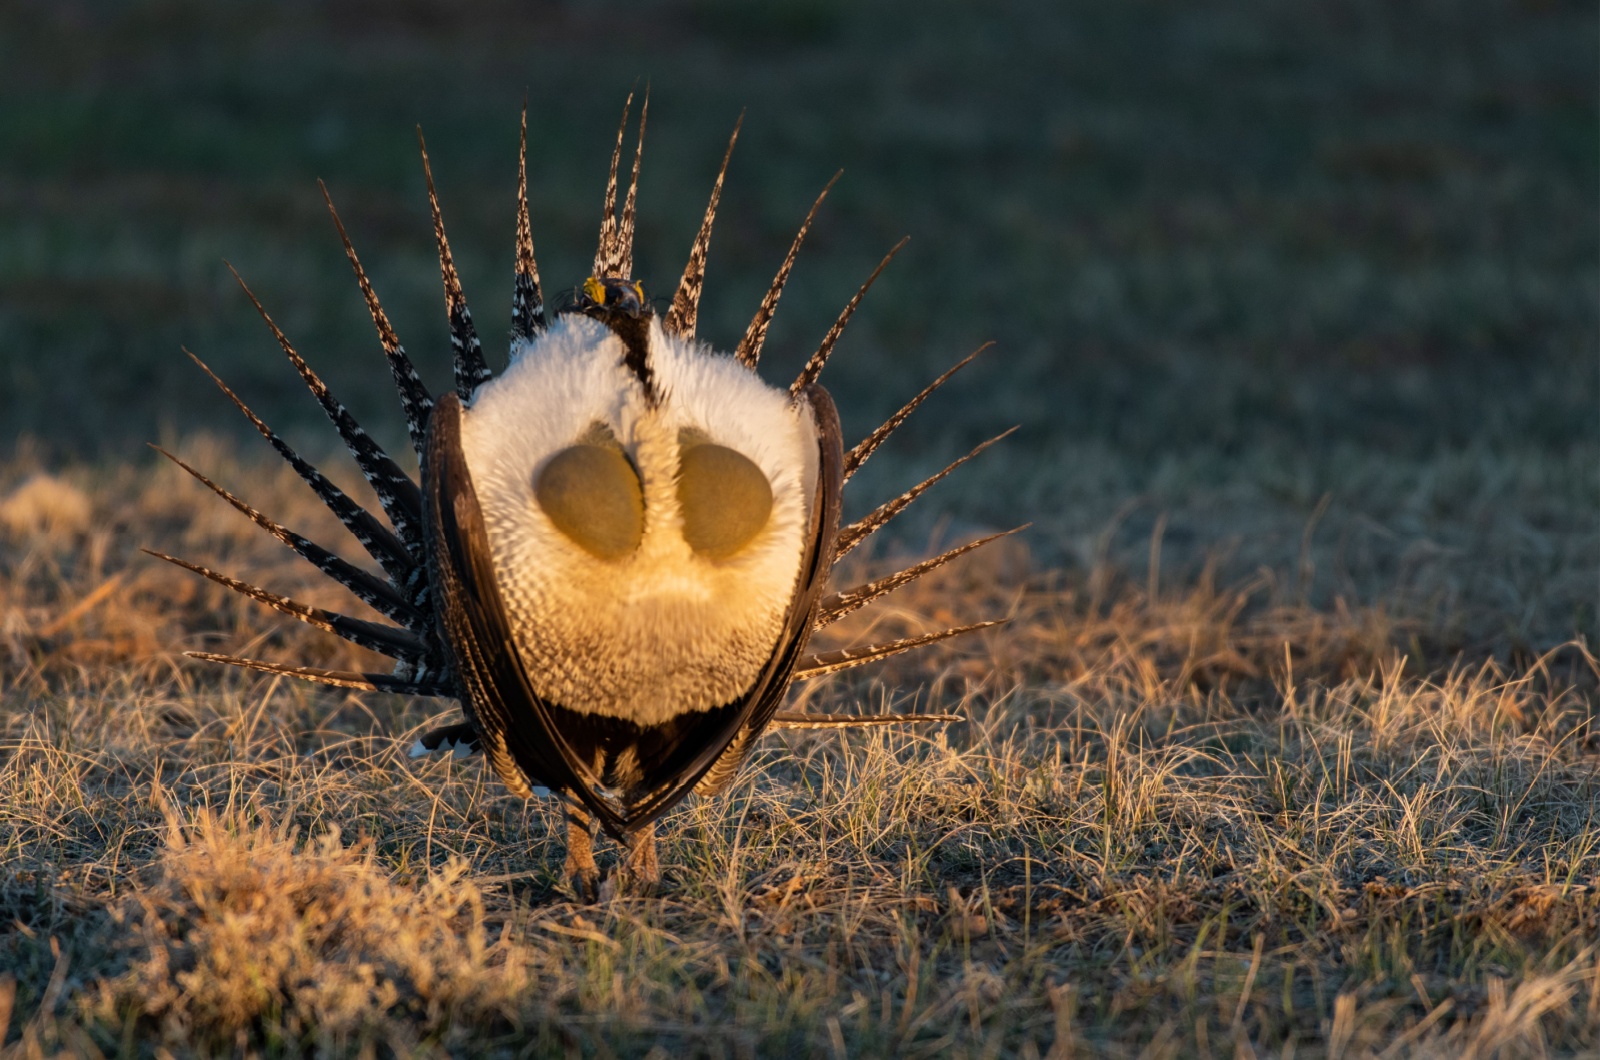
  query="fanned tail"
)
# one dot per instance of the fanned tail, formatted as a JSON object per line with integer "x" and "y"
{"x": 404, "y": 596}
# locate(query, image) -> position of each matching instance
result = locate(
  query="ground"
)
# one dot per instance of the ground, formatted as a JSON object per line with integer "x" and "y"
{"x": 1289, "y": 746}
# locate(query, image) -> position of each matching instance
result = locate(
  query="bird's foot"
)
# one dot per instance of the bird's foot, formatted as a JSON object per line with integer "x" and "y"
{"x": 586, "y": 884}
{"x": 640, "y": 872}
{"x": 580, "y": 869}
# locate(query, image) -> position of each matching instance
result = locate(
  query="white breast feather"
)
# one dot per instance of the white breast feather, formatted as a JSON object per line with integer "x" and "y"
{"x": 664, "y": 630}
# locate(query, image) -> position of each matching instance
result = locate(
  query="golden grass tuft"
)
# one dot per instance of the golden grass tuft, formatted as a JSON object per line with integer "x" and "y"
{"x": 44, "y": 504}
{"x": 249, "y": 933}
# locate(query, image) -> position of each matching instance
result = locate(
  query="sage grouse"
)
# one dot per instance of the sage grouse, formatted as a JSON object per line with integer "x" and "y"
{"x": 620, "y": 545}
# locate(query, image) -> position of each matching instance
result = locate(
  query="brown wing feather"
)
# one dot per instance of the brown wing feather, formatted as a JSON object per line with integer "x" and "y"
{"x": 493, "y": 688}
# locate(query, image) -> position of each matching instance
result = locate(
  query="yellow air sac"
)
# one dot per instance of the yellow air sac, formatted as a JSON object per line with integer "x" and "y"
{"x": 725, "y": 499}
{"x": 592, "y": 495}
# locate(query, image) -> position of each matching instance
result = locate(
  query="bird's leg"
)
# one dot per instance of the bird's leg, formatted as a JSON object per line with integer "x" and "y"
{"x": 639, "y": 865}
{"x": 581, "y": 870}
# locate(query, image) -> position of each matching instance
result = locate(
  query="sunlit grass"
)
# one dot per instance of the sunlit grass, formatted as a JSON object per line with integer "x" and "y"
{"x": 1180, "y": 817}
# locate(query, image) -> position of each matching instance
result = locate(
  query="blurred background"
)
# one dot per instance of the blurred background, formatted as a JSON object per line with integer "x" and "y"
{"x": 1257, "y": 273}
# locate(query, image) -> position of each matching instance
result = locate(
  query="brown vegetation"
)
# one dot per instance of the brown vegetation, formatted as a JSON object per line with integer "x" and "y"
{"x": 1181, "y": 818}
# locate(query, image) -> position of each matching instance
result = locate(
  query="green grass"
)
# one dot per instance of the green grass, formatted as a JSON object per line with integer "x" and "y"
{"x": 1290, "y": 746}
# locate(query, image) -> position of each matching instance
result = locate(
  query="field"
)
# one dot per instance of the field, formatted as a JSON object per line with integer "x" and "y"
{"x": 1291, "y": 744}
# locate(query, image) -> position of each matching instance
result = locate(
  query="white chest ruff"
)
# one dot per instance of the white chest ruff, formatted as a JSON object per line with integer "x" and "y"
{"x": 663, "y": 630}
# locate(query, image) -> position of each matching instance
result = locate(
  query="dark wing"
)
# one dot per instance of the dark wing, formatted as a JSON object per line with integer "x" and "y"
{"x": 770, "y": 691}
{"x": 493, "y": 688}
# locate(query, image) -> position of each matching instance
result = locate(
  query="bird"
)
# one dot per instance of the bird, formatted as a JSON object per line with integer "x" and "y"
{"x": 618, "y": 547}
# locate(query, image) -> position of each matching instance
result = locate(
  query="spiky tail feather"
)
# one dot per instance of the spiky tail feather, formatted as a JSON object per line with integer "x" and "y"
{"x": 685, "y": 311}
{"x": 527, "y": 301}
{"x": 786, "y": 719}
{"x": 748, "y": 352}
{"x": 829, "y": 662}
{"x": 365, "y": 682}
{"x": 872, "y": 522}
{"x": 845, "y": 601}
{"x": 472, "y": 371}
{"x": 415, "y": 401}
{"x": 813, "y": 367}
{"x": 868, "y": 445}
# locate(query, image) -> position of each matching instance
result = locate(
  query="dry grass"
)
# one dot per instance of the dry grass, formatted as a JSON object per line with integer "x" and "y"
{"x": 1187, "y": 814}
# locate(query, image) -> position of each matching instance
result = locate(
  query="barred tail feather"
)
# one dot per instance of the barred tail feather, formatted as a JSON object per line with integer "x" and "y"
{"x": 861, "y": 529}
{"x": 842, "y": 603}
{"x": 868, "y": 445}
{"x": 527, "y": 301}
{"x": 813, "y": 367}
{"x": 755, "y": 336}
{"x": 786, "y": 719}
{"x": 829, "y": 662}
{"x": 470, "y": 368}
{"x": 624, "y": 235}
{"x": 372, "y": 590}
{"x": 365, "y": 682}
{"x": 685, "y": 311}
{"x": 399, "y": 496}
{"x": 415, "y": 401}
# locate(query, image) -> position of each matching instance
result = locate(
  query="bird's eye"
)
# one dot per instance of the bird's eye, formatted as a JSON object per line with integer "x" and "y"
{"x": 592, "y": 495}
{"x": 726, "y": 499}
